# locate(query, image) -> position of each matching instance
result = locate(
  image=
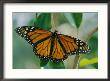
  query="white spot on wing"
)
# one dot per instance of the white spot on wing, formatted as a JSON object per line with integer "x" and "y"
{"x": 32, "y": 28}
{"x": 26, "y": 28}
{"x": 25, "y": 32}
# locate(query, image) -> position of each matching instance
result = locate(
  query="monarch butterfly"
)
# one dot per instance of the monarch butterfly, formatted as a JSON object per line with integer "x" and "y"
{"x": 51, "y": 45}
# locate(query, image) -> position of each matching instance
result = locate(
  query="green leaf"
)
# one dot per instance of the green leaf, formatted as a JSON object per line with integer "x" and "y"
{"x": 43, "y": 62}
{"x": 93, "y": 43}
{"x": 55, "y": 65}
{"x": 43, "y": 21}
{"x": 69, "y": 18}
{"x": 85, "y": 61}
{"x": 95, "y": 65}
{"x": 77, "y": 19}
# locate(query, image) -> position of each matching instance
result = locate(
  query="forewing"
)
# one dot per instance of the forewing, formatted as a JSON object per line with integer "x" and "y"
{"x": 68, "y": 43}
{"x": 73, "y": 45}
{"x": 82, "y": 47}
{"x": 33, "y": 35}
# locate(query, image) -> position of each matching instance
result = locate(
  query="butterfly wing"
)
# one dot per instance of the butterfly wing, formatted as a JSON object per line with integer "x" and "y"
{"x": 82, "y": 47}
{"x": 38, "y": 38}
{"x": 48, "y": 47}
{"x": 33, "y": 35}
{"x": 73, "y": 45}
{"x": 57, "y": 52}
{"x": 42, "y": 49}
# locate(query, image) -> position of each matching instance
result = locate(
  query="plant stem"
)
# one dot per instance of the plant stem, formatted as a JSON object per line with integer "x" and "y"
{"x": 76, "y": 59}
{"x": 54, "y": 21}
{"x": 76, "y": 62}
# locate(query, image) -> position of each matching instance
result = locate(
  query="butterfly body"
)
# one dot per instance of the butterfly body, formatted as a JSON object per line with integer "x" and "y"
{"x": 51, "y": 45}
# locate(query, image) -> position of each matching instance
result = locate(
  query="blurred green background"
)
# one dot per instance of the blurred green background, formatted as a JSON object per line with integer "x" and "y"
{"x": 66, "y": 23}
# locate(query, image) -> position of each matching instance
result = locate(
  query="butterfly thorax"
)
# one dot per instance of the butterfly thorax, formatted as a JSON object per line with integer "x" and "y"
{"x": 54, "y": 34}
